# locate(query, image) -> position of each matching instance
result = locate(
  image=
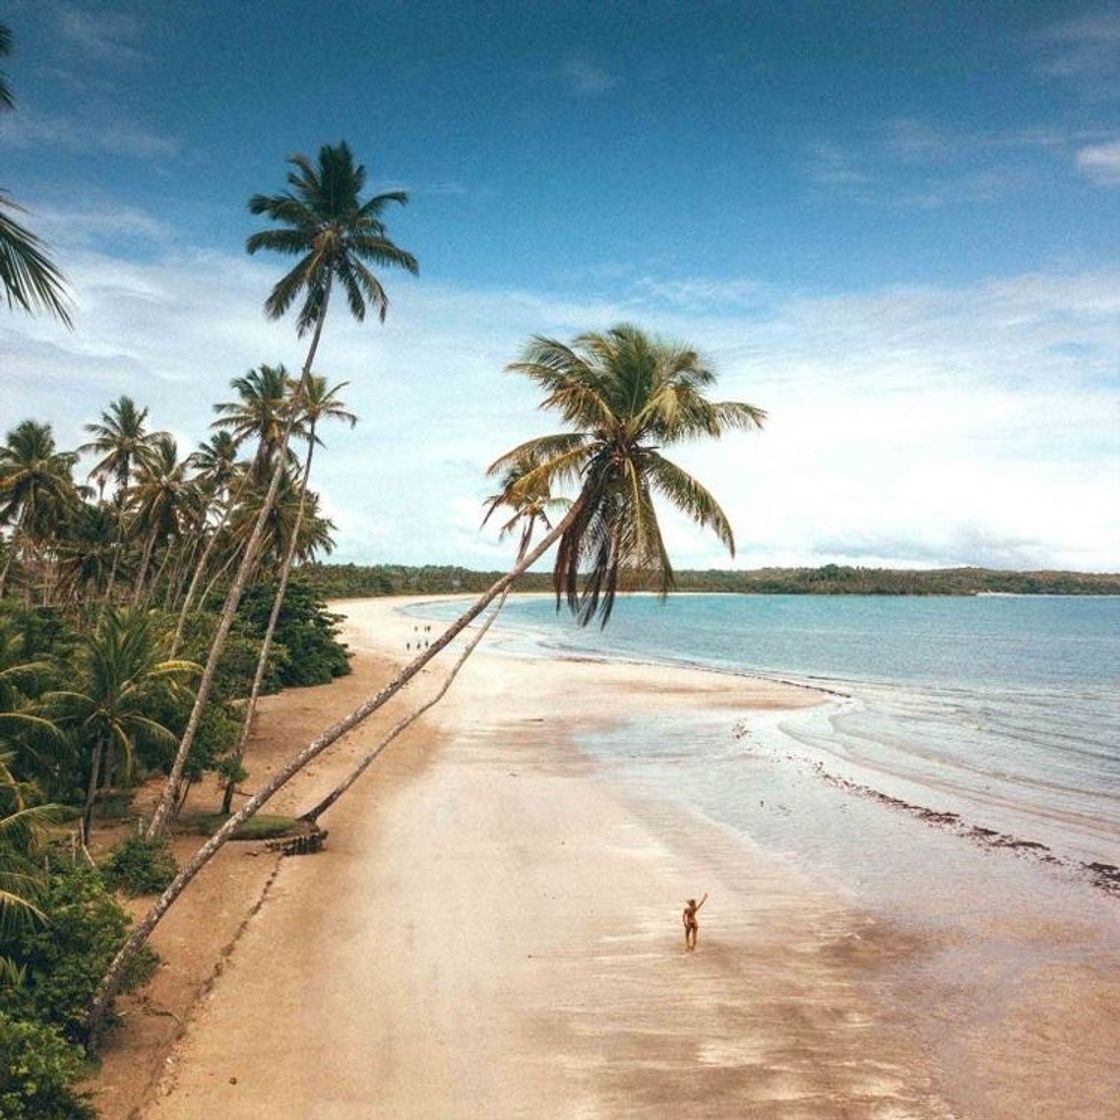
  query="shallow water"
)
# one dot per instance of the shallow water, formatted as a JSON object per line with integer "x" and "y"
{"x": 1002, "y": 711}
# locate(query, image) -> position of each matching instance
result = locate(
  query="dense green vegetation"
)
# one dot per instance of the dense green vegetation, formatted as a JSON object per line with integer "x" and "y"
{"x": 356, "y": 581}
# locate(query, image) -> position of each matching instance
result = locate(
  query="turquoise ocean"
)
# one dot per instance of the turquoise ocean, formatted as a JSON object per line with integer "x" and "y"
{"x": 1003, "y": 711}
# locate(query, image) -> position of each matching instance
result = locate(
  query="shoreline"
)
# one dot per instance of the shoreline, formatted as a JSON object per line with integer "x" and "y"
{"x": 492, "y": 929}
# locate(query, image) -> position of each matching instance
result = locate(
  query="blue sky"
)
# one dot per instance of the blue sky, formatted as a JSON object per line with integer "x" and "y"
{"x": 895, "y": 226}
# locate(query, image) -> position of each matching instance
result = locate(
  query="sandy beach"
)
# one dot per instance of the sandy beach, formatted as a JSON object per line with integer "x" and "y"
{"x": 494, "y": 930}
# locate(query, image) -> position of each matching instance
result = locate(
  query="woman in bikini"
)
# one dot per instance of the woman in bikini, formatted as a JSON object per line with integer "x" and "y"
{"x": 691, "y": 925}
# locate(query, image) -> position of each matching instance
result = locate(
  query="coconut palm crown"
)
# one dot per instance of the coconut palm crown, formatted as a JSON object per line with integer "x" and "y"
{"x": 626, "y": 395}
{"x": 123, "y": 442}
{"x": 334, "y": 234}
{"x": 29, "y": 279}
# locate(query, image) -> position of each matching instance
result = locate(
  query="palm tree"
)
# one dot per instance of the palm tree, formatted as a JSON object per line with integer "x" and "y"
{"x": 36, "y": 488}
{"x": 6, "y": 99}
{"x": 217, "y": 472}
{"x": 89, "y": 551}
{"x": 122, "y": 441}
{"x": 316, "y": 402}
{"x": 532, "y": 505}
{"x": 29, "y": 278}
{"x": 260, "y": 413}
{"x": 334, "y": 234}
{"x": 159, "y": 497}
{"x": 123, "y": 670}
{"x": 124, "y": 446}
{"x": 612, "y": 458}
{"x": 627, "y": 395}
{"x": 31, "y": 741}
{"x": 23, "y": 830}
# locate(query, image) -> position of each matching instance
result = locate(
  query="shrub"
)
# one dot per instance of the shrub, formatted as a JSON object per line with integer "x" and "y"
{"x": 66, "y": 956}
{"x": 37, "y": 1069}
{"x": 138, "y": 866}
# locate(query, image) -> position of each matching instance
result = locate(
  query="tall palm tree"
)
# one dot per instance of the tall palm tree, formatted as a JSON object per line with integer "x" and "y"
{"x": 315, "y": 403}
{"x": 666, "y": 404}
{"x": 334, "y": 234}
{"x": 221, "y": 478}
{"x": 36, "y": 489}
{"x": 123, "y": 669}
{"x": 260, "y": 413}
{"x": 89, "y": 551}
{"x": 158, "y": 498}
{"x": 122, "y": 441}
{"x": 125, "y": 445}
{"x": 29, "y": 277}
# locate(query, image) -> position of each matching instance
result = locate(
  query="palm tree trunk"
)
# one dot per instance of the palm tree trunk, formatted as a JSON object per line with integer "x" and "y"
{"x": 201, "y": 568}
{"x": 149, "y": 544}
{"x": 159, "y": 571}
{"x": 12, "y": 550}
{"x": 227, "y": 563}
{"x": 273, "y": 619}
{"x": 118, "y": 545}
{"x": 233, "y": 598}
{"x": 91, "y": 791}
{"x": 111, "y": 981}
{"x": 312, "y": 815}
{"x": 178, "y": 574}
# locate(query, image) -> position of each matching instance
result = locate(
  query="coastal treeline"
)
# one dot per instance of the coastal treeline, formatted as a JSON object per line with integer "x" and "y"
{"x": 356, "y": 581}
{"x": 113, "y": 568}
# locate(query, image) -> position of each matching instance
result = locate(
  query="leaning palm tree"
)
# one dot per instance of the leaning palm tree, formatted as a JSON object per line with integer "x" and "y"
{"x": 36, "y": 490}
{"x": 626, "y": 395}
{"x": 123, "y": 670}
{"x": 317, "y": 402}
{"x": 29, "y": 278}
{"x": 334, "y": 234}
{"x": 530, "y": 507}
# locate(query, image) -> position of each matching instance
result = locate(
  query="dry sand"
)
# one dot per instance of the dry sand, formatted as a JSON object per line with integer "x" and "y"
{"x": 494, "y": 931}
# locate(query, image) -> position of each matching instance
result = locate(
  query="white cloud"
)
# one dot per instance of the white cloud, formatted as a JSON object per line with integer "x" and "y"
{"x": 912, "y": 425}
{"x": 1085, "y": 51}
{"x": 1101, "y": 163}
{"x": 585, "y": 78}
{"x": 106, "y": 36}
{"x": 120, "y": 137}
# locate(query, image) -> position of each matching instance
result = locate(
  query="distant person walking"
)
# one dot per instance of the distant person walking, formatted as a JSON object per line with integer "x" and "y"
{"x": 691, "y": 925}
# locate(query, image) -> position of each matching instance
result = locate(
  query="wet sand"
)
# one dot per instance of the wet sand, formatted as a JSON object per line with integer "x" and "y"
{"x": 494, "y": 930}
